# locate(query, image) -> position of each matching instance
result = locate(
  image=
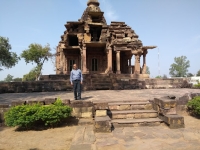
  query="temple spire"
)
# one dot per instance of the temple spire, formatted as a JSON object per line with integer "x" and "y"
{"x": 94, "y": 2}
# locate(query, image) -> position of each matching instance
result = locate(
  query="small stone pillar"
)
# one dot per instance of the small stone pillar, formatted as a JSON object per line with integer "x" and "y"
{"x": 61, "y": 61}
{"x": 118, "y": 62}
{"x": 109, "y": 60}
{"x": 166, "y": 108}
{"x": 84, "y": 59}
{"x": 144, "y": 67}
{"x": 65, "y": 64}
{"x": 129, "y": 66}
{"x": 57, "y": 61}
{"x": 137, "y": 64}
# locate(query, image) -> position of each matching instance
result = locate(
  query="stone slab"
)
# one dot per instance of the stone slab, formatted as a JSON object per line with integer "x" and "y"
{"x": 128, "y": 103}
{"x": 16, "y": 103}
{"x": 49, "y": 101}
{"x": 4, "y": 105}
{"x": 101, "y": 113}
{"x": 102, "y": 124}
{"x": 100, "y": 105}
{"x": 174, "y": 121}
{"x": 132, "y": 111}
{"x": 80, "y": 147}
{"x": 105, "y": 118}
{"x": 121, "y": 121}
{"x": 85, "y": 121}
{"x": 164, "y": 102}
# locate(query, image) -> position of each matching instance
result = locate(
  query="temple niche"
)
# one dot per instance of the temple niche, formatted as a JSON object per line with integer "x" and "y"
{"x": 100, "y": 48}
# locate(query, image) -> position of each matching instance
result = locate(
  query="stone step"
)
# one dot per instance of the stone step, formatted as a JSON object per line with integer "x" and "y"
{"x": 131, "y": 114}
{"x": 99, "y": 76}
{"x": 141, "y": 105}
{"x": 101, "y": 81}
{"x": 102, "y": 84}
{"x": 101, "y": 87}
{"x": 135, "y": 122}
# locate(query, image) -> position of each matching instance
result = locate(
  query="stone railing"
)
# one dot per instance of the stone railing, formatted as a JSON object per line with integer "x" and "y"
{"x": 51, "y": 83}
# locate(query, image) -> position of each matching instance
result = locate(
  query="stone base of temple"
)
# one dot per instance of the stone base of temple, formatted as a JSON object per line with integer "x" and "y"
{"x": 50, "y": 83}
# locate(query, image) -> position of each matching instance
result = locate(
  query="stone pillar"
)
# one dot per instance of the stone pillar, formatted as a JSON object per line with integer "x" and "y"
{"x": 61, "y": 61}
{"x": 81, "y": 51}
{"x": 109, "y": 60}
{"x": 84, "y": 59}
{"x": 57, "y": 61}
{"x": 66, "y": 65}
{"x": 137, "y": 64}
{"x": 118, "y": 62}
{"x": 129, "y": 65}
{"x": 144, "y": 67}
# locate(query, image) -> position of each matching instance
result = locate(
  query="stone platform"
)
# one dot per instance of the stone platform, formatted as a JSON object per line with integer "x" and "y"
{"x": 99, "y": 95}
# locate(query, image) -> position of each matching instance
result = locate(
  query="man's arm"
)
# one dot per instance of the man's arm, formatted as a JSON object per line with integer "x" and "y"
{"x": 71, "y": 78}
{"x": 81, "y": 77}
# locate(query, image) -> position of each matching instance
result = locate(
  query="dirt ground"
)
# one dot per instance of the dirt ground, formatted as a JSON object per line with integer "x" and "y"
{"x": 51, "y": 139}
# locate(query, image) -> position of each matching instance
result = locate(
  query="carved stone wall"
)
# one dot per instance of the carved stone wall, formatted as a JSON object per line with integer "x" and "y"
{"x": 117, "y": 41}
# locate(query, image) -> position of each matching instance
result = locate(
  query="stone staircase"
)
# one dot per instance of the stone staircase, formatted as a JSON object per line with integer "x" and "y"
{"x": 128, "y": 114}
{"x": 101, "y": 82}
{"x": 125, "y": 114}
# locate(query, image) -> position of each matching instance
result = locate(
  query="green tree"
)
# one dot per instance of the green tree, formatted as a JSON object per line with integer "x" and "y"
{"x": 8, "y": 59}
{"x": 158, "y": 77}
{"x": 147, "y": 70}
{"x": 180, "y": 67}
{"x": 198, "y": 73}
{"x": 9, "y": 78}
{"x": 190, "y": 75}
{"x": 164, "y": 76}
{"x": 38, "y": 54}
{"x": 17, "y": 79}
{"x": 32, "y": 75}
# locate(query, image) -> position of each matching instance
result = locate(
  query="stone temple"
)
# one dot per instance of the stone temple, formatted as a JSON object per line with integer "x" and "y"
{"x": 99, "y": 48}
{"x": 103, "y": 53}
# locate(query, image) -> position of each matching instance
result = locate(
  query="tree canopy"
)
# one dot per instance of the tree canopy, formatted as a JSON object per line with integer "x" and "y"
{"x": 8, "y": 78}
{"x": 38, "y": 54}
{"x": 190, "y": 74}
{"x": 32, "y": 75}
{"x": 8, "y": 59}
{"x": 180, "y": 67}
{"x": 147, "y": 70}
{"x": 198, "y": 73}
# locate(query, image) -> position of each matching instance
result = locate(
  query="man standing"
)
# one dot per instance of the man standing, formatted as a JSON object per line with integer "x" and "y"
{"x": 76, "y": 79}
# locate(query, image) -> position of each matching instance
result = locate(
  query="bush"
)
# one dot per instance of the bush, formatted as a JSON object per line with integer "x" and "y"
{"x": 194, "y": 106}
{"x": 29, "y": 115}
{"x": 197, "y": 85}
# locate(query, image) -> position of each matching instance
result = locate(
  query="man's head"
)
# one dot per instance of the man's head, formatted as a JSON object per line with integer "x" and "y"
{"x": 74, "y": 66}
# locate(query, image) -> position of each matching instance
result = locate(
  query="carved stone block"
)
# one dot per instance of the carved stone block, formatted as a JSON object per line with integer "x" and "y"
{"x": 102, "y": 124}
{"x": 174, "y": 121}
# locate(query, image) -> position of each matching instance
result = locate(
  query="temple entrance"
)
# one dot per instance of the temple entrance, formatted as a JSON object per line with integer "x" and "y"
{"x": 71, "y": 62}
{"x": 94, "y": 64}
{"x": 114, "y": 66}
{"x": 96, "y": 60}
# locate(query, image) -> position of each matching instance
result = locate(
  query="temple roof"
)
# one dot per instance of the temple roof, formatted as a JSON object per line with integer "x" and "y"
{"x": 93, "y": 10}
{"x": 95, "y": 2}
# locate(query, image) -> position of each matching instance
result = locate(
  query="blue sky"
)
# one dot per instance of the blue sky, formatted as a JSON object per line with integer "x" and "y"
{"x": 172, "y": 25}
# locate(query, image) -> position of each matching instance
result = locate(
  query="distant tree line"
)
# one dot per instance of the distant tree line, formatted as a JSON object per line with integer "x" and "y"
{"x": 35, "y": 53}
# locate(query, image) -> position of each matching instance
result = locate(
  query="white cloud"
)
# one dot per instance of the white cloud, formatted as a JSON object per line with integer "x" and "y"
{"x": 110, "y": 13}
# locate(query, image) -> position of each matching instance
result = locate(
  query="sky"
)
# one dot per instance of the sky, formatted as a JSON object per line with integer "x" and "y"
{"x": 171, "y": 25}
